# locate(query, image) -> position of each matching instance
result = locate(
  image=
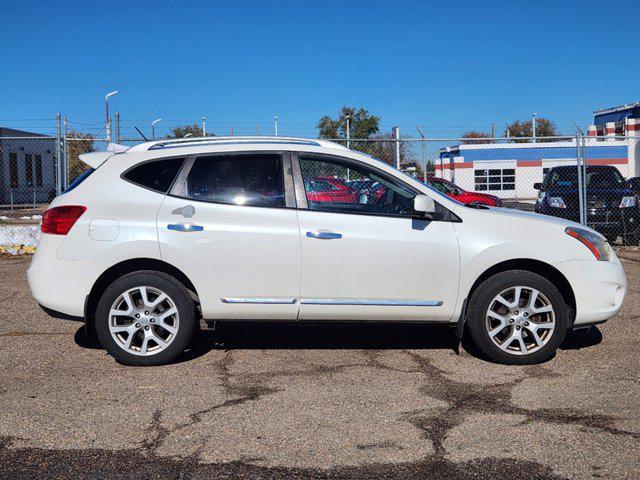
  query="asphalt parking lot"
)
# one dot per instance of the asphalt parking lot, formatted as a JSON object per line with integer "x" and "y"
{"x": 292, "y": 401}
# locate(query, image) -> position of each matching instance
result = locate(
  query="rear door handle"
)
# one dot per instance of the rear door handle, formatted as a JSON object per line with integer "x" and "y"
{"x": 185, "y": 227}
{"x": 324, "y": 235}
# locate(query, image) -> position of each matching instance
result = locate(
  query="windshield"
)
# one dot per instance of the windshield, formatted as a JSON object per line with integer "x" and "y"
{"x": 444, "y": 187}
{"x": 596, "y": 178}
{"x": 435, "y": 190}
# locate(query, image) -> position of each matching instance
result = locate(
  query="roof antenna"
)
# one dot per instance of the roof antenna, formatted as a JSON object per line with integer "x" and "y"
{"x": 141, "y": 134}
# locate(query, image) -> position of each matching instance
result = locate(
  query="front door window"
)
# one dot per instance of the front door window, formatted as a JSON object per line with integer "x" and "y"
{"x": 333, "y": 185}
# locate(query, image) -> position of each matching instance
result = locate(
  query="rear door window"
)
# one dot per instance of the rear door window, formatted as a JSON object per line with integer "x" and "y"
{"x": 239, "y": 179}
{"x": 156, "y": 175}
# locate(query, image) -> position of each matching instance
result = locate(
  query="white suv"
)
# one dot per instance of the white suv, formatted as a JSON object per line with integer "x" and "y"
{"x": 151, "y": 240}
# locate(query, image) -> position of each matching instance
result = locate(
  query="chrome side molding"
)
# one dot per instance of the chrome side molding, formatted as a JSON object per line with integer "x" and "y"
{"x": 259, "y": 300}
{"x": 362, "y": 301}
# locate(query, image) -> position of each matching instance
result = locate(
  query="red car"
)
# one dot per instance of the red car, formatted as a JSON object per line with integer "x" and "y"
{"x": 334, "y": 190}
{"x": 453, "y": 191}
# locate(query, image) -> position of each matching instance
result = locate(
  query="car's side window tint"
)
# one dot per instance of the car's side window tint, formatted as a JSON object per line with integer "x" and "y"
{"x": 243, "y": 179}
{"x": 341, "y": 186}
{"x": 157, "y": 175}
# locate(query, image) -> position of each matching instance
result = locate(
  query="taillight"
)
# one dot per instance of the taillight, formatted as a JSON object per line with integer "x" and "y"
{"x": 59, "y": 220}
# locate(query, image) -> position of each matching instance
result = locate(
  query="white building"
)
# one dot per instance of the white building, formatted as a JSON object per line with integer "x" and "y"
{"x": 509, "y": 170}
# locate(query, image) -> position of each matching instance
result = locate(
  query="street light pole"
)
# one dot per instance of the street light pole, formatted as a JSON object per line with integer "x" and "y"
{"x": 397, "y": 137}
{"x": 153, "y": 128}
{"x": 424, "y": 154}
{"x": 106, "y": 100}
{"x": 533, "y": 125}
{"x": 275, "y": 124}
{"x": 348, "y": 117}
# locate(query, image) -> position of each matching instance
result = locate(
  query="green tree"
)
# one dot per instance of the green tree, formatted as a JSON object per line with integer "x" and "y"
{"x": 517, "y": 129}
{"x": 361, "y": 124}
{"x": 194, "y": 130}
{"x": 476, "y": 137}
{"x": 365, "y": 136}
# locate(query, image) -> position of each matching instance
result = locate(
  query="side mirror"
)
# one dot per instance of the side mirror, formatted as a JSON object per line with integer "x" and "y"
{"x": 537, "y": 186}
{"x": 424, "y": 204}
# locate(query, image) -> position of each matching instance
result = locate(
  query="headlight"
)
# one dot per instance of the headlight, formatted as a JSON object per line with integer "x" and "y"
{"x": 628, "y": 202}
{"x": 597, "y": 244}
{"x": 556, "y": 202}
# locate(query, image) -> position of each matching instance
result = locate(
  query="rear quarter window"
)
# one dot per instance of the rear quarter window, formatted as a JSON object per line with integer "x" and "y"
{"x": 79, "y": 179}
{"x": 157, "y": 175}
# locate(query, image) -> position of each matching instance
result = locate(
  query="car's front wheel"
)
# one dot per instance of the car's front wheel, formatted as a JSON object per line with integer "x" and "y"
{"x": 517, "y": 317}
{"x": 145, "y": 318}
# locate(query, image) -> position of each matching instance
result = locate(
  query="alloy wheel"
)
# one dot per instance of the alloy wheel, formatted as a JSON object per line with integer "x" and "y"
{"x": 143, "y": 320}
{"x": 520, "y": 320}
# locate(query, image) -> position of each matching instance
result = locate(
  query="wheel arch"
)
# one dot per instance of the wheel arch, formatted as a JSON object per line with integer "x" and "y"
{"x": 535, "y": 266}
{"x": 123, "y": 268}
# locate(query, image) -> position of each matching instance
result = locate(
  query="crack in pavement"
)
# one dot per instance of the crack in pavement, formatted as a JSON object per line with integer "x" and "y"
{"x": 159, "y": 434}
{"x": 466, "y": 398}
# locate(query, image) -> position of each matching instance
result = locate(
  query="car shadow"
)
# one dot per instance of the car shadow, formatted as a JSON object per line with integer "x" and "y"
{"x": 583, "y": 338}
{"x": 320, "y": 336}
{"x": 244, "y": 335}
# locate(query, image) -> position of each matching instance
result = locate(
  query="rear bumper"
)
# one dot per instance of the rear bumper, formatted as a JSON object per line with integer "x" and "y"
{"x": 59, "y": 285}
{"x": 599, "y": 288}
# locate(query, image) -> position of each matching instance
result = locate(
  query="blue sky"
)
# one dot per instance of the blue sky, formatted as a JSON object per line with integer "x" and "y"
{"x": 449, "y": 66}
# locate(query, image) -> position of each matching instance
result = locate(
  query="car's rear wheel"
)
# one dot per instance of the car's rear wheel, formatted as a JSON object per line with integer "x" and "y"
{"x": 145, "y": 318}
{"x": 517, "y": 317}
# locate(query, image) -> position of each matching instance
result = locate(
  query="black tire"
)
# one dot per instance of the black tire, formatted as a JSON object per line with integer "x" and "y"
{"x": 480, "y": 302}
{"x": 165, "y": 283}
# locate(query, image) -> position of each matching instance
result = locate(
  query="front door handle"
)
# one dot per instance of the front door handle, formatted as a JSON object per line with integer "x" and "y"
{"x": 324, "y": 235}
{"x": 185, "y": 227}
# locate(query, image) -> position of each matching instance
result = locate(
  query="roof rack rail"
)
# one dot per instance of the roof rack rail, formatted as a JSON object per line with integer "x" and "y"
{"x": 187, "y": 142}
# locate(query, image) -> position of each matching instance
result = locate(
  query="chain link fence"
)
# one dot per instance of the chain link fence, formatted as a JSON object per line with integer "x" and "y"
{"x": 587, "y": 179}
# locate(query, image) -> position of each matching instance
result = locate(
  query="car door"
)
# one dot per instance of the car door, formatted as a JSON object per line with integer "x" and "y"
{"x": 230, "y": 225}
{"x": 371, "y": 258}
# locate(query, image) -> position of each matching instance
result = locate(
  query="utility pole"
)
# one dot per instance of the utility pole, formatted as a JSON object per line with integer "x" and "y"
{"x": 275, "y": 124}
{"x": 204, "y": 127}
{"x": 58, "y": 155}
{"x": 533, "y": 125}
{"x": 424, "y": 154}
{"x": 118, "y": 127}
{"x": 397, "y": 137}
{"x": 348, "y": 134}
{"x": 106, "y": 100}
{"x": 493, "y": 133}
{"x": 257, "y": 129}
{"x": 65, "y": 160}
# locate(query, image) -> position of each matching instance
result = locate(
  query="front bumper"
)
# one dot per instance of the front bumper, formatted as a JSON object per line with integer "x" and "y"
{"x": 599, "y": 288}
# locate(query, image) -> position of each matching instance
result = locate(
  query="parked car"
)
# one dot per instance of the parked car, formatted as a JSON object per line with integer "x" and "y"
{"x": 327, "y": 189}
{"x": 463, "y": 196}
{"x": 154, "y": 239}
{"x": 633, "y": 184}
{"x": 612, "y": 207}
